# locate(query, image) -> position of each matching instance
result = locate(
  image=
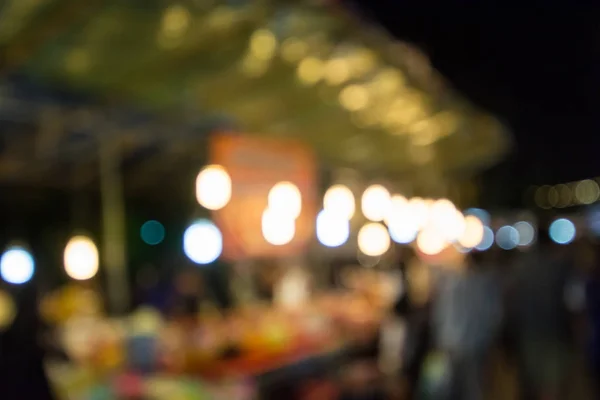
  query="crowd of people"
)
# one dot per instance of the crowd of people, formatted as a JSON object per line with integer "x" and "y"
{"x": 537, "y": 312}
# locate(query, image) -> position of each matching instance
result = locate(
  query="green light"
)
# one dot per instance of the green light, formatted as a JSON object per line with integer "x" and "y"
{"x": 152, "y": 232}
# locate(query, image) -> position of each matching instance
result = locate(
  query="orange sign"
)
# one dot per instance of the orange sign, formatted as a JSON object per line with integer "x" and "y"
{"x": 255, "y": 165}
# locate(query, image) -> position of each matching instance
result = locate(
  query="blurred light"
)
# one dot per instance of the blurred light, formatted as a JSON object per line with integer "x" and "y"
{"x": 376, "y": 203}
{"x": 565, "y": 197}
{"x": 553, "y": 197}
{"x": 562, "y": 231}
{"x": 333, "y": 229}
{"x": 488, "y": 239}
{"x": 447, "y": 219}
{"x": 285, "y": 198}
{"x": 8, "y": 310}
{"x": 340, "y": 200}
{"x": 402, "y": 223}
{"x": 373, "y": 239}
{"x": 17, "y": 265}
{"x": 483, "y": 215}
{"x": 202, "y": 242}
{"x": 354, "y": 97}
{"x": 431, "y": 242}
{"x": 420, "y": 210}
{"x": 278, "y": 229}
{"x": 473, "y": 233}
{"x": 337, "y": 72}
{"x": 152, "y": 232}
{"x": 81, "y": 258}
{"x": 213, "y": 187}
{"x": 526, "y": 233}
{"x": 587, "y": 191}
{"x": 263, "y": 44}
{"x": 507, "y": 237}
{"x": 175, "y": 22}
{"x": 541, "y": 196}
{"x": 292, "y": 50}
{"x": 367, "y": 261}
{"x": 310, "y": 70}
{"x": 398, "y": 206}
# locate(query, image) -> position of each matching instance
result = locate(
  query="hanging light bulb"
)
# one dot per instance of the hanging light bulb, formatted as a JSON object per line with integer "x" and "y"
{"x": 285, "y": 199}
{"x": 278, "y": 229}
{"x": 373, "y": 239}
{"x": 202, "y": 242}
{"x": 333, "y": 230}
{"x": 213, "y": 187}
{"x": 339, "y": 200}
{"x": 81, "y": 258}
{"x": 376, "y": 203}
{"x": 16, "y": 265}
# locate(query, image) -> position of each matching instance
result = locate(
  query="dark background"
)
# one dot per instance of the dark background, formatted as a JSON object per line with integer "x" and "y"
{"x": 536, "y": 65}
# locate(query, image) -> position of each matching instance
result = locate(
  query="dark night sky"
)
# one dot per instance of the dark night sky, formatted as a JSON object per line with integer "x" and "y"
{"x": 538, "y": 68}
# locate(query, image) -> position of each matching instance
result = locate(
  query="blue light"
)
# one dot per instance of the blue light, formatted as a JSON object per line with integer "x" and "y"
{"x": 332, "y": 231}
{"x": 488, "y": 239}
{"x": 202, "y": 242}
{"x": 483, "y": 215}
{"x": 507, "y": 237}
{"x": 152, "y": 232}
{"x": 562, "y": 231}
{"x": 526, "y": 233}
{"x": 17, "y": 266}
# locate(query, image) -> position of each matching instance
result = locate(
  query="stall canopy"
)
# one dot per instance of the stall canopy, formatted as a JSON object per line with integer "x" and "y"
{"x": 161, "y": 75}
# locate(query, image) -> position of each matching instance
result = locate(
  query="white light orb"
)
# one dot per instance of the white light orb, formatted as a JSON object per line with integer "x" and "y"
{"x": 398, "y": 206}
{"x": 213, "y": 187}
{"x": 473, "y": 233}
{"x": 403, "y": 224}
{"x": 285, "y": 199}
{"x": 278, "y": 229}
{"x": 81, "y": 258}
{"x": 376, "y": 203}
{"x": 507, "y": 237}
{"x": 526, "y": 233}
{"x": 431, "y": 242}
{"x": 333, "y": 230}
{"x": 488, "y": 239}
{"x": 373, "y": 239}
{"x": 203, "y": 242}
{"x": 340, "y": 200}
{"x": 17, "y": 265}
{"x": 420, "y": 210}
{"x": 562, "y": 231}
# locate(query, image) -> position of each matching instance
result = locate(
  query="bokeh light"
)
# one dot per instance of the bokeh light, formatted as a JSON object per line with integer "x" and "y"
{"x": 278, "y": 229}
{"x": 480, "y": 213}
{"x": 403, "y": 224}
{"x": 587, "y": 191}
{"x": 488, "y": 239}
{"x": 81, "y": 258}
{"x": 8, "y": 310}
{"x": 420, "y": 210}
{"x": 333, "y": 230}
{"x": 473, "y": 233}
{"x": 17, "y": 265}
{"x": 398, "y": 206}
{"x": 285, "y": 199}
{"x": 202, "y": 242}
{"x": 373, "y": 239}
{"x": 152, "y": 232}
{"x": 376, "y": 203}
{"x": 526, "y": 233}
{"x": 431, "y": 242}
{"x": 507, "y": 237}
{"x": 562, "y": 231}
{"x": 340, "y": 200}
{"x": 213, "y": 187}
